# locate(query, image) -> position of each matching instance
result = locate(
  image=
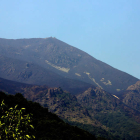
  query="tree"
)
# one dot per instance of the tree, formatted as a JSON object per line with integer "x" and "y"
{"x": 15, "y": 124}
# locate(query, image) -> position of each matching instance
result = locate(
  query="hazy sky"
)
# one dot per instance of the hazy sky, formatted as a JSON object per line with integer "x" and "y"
{"x": 109, "y": 30}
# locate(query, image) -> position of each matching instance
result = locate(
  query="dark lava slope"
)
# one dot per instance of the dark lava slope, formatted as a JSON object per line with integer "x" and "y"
{"x": 67, "y": 61}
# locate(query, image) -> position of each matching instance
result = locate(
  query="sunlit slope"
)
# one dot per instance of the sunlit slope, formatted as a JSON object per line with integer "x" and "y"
{"x": 111, "y": 112}
{"x": 131, "y": 96}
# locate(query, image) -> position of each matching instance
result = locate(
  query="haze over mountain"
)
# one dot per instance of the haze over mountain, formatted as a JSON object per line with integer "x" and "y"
{"x": 107, "y": 30}
{"x": 63, "y": 59}
{"x": 83, "y": 91}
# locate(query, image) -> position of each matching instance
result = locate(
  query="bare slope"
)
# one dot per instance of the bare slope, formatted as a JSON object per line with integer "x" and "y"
{"x": 30, "y": 73}
{"x": 67, "y": 61}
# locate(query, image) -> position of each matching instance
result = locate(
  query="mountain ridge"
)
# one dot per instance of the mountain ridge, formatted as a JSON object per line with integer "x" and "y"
{"x": 68, "y": 62}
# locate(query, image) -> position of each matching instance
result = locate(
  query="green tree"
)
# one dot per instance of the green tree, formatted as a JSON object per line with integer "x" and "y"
{"x": 15, "y": 124}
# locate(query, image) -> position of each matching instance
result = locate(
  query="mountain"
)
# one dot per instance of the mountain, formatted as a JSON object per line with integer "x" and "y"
{"x": 80, "y": 89}
{"x": 65, "y": 60}
{"x": 131, "y": 96}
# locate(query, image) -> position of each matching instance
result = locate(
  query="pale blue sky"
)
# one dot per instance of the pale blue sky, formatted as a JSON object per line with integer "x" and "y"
{"x": 109, "y": 30}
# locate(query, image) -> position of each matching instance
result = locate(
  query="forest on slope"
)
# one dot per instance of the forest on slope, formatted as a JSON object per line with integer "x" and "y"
{"x": 46, "y": 124}
{"x": 94, "y": 110}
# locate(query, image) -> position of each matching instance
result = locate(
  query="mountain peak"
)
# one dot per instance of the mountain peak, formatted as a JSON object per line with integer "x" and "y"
{"x": 63, "y": 59}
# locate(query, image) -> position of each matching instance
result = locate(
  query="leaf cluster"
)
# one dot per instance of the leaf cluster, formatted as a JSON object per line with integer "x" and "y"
{"x": 15, "y": 124}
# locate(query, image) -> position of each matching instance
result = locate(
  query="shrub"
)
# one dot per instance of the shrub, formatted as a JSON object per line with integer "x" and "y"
{"x": 15, "y": 124}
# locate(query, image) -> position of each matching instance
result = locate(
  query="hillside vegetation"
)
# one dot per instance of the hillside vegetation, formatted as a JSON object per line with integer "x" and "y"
{"x": 94, "y": 110}
{"x": 46, "y": 125}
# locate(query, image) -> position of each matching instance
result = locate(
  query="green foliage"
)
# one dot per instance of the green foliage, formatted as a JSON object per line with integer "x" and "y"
{"x": 97, "y": 131}
{"x": 15, "y": 124}
{"x": 120, "y": 125}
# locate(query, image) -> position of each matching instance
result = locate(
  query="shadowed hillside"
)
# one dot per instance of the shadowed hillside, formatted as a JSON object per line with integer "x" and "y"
{"x": 94, "y": 108}
{"x": 46, "y": 125}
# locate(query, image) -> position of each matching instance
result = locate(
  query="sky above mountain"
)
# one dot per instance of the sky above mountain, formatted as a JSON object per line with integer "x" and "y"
{"x": 109, "y": 30}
